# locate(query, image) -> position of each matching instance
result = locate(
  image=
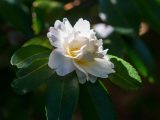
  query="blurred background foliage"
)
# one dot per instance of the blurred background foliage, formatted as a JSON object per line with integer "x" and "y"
{"x": 135, "y": 37}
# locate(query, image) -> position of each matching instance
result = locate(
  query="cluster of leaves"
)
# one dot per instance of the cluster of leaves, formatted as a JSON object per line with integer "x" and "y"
{"x": 63, "y": 93}
{"x": 33, "y": 17}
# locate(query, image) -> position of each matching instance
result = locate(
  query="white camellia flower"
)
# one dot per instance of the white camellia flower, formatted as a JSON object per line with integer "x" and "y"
{"x": 77, "y": 48}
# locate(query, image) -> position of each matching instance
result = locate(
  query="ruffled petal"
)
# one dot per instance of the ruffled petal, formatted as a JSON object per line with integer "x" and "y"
{"x": 92, "y": 78}
{"x": 98, "y": 67}
{"x": 59, "y": 25}
{"x": 54, "y": 37}
{"x": 81, "y": 76}
{"x": 67, "y": 25}
{"x": 60, "y": 63}
{"x": 82, "y": 26}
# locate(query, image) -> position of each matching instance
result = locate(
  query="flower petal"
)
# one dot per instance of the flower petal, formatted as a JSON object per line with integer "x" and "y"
{"x": 68, "y": 25}
{"x": 81, "y": 76}
{"x": 54, "y": 37}
{"x": 92, "y": 78}
{"x": 99, "y": 67}
{"x": 82, "y": 26}
{"x": 59, "y": 25}
{"x": 60, "y": 63}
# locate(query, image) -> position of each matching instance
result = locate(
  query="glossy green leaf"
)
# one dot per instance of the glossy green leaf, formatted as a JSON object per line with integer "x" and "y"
{"x": 45, "y": 13}
{"x": 17, "y": 14}
{"x": 137, "y": 62}
{"x": 126, "y": 12}
{"x": 125, "y": 76}
{"x": 42, "y": 41}
{"x": 31, "y": 77}
{"x": 35, "y": 65}
{"x": 62, "y": 97}
{"x": 95, "y": 102}
{"x": 141, "y": 53}
{"x": 26, "y": 55}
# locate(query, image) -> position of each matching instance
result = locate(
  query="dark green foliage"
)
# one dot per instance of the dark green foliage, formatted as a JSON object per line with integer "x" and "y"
{"x": 61, "y": 97}
{"x": 95, "y": 102}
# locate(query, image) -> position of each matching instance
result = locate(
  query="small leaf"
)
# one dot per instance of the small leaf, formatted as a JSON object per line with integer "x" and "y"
{"x": 95, "y": 102}
{"x": 125, "y": 76}
{"x": 62, "y": 97}
{"x": 26, "y": 55}
{"x": 32, "y": 76}
{"x": 41, "y": 41}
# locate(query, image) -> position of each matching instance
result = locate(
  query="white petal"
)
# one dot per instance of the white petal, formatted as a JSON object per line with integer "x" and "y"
{"x": 60, "y": 63}
{"x": 92, "y": 78}
{"x": 82, "y": 26}
{"x": 81, "y": 76}
{"x": 59, "y": 25}
{"x": 54, "y": 37}
{"x": 81, "y": 69}
{"x": 68, "y": 26}
{"x": 99, "y": 67}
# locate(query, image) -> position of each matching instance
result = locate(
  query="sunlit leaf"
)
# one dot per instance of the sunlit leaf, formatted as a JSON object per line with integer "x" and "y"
{"x": 26, "y": 55}
{"x": 137, "y": 62}
{"x": 38, "y": 41}
{"x": 140, "y": 55}
{"x": 125, "y": 76}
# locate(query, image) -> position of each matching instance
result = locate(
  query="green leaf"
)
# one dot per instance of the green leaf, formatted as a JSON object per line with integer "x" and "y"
{"x": 128, "y": 16}
{"x": 16, "y": 14}
{"x": 95, "y": 102}
{"x": 141, "y": 57}
{"x": 62, "y": 97}
{"x": 26, "y": 55}
{"x": 137, "y": 62}
{"x": 32, "y": 76}
{"x": 125, "y": 76}
{"x": 45, "y": 13}
{"x": 42, "y": 41}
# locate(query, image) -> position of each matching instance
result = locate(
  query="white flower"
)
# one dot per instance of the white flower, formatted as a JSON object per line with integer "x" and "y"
{"x": 77, "y": 48}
